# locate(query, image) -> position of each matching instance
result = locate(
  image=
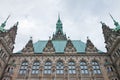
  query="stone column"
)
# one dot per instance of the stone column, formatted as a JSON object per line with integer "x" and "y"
{"x": 41, "y": 72}
{"x": 28, "y": 73}
{"x": 66, "y": 75}
{"x": 77, "y": 71}
{"x": 53, "y": 76}
{"x": 90, "y": 71}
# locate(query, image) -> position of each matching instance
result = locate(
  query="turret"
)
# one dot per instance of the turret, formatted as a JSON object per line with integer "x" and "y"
{"x": 59, "y": 27}
{"x": 106, "y": 31}
{"x": 11, "y": 35}
{"x": 59, "y": 35}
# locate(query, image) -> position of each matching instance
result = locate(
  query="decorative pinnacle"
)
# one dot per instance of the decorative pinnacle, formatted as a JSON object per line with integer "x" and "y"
{"x": 112, "y": 17}
{"x": 7, "y": 18}
{"x": 102, "y": 23}
{"x": 49, "y": 37}
{"x": 115, "y": 22}
{"x": 58, "y": 16}
{"x": 87, "y": 37}
{"x": 4, "y": 24}
{"x": 30, "y": 37}
{"x": 68, "y": 38}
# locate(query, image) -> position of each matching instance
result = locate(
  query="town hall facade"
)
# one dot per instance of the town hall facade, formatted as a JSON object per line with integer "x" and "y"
{"x": 60, "y": 58}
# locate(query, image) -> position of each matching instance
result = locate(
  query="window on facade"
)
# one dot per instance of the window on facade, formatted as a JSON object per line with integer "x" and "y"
{"x": 5, "y": 56}
{"x": 59, "y": 67}
{"x": 109, "y": 69}
{"x": 47, "y": 67}
{"x": 10, "y": 70}
{"x": 35, "y": 67}
{"x": 23, "y": 68}
{"x": 118, "y": 52}
{"x": 1, "y": 52}
{"x": 83, "y": 67}
{"x": 115, "y": 79}
{"x": 71, "y": 66}
{"x": 96, "y": 67}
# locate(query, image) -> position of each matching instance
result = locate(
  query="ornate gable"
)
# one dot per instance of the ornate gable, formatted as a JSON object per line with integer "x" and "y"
{"x": 49, "y": 48}
{"x": 69, "y": 47}
{"x": 90, "y": 48}
{"x": 29, "y": 47}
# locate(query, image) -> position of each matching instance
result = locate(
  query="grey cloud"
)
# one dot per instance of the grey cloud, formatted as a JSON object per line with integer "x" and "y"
{"x": 80, "y": 18}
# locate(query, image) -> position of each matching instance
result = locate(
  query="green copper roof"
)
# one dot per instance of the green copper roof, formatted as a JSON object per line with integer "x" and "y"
{"x": 39, "y": 46}
{"x": 59, "y": 45}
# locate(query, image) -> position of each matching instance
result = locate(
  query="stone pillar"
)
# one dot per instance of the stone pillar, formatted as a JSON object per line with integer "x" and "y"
{"x": 53, "y": 76}
{"x": 28, "y": 73}
{"x": 66, "y": 75}
{"x": 104, "y": 71}
{"x": 41, "y": 72}
{"x": 77, "y": 71}
{"x": 91, "y": 74}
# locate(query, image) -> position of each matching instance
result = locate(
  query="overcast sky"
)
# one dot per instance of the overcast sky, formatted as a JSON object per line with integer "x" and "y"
{"x": 80, "y": 18}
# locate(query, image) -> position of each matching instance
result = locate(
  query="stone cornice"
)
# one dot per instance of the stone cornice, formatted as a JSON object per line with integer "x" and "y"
{"x": 92, "y": 54}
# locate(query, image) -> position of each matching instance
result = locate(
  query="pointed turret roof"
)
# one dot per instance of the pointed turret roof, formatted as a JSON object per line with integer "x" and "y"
{"x": 59, "y": 27}
{"x": 115, "y": 23}
{"x": 59, "y": 35}
{"x": 106, "y": 31}
{"x": 3, "y": 25}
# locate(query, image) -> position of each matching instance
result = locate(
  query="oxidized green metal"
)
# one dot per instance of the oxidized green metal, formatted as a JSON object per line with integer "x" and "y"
{"x": 59, "y": 25}
{"x": 3, "y": 25}
{"x": 115, "y": 23}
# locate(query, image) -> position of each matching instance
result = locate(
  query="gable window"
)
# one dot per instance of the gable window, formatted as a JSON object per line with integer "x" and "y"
{"x": 59, "y": 67}
{"x": 83, "y": 67}
{"x": 35, "y": 67}
{"x": 96, "y": 67}
{"x": 47, "y": 67}
{"x": 23, "y": 68}
{"x": 71, "y": 66}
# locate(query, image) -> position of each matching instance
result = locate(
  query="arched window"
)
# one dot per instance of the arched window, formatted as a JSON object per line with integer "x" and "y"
{"x": 71, "y": 66}
{"x": 83, "y": 67}
{"x": 96, "y": 67}
{"x": 35, "y": 67}
{"x": 47, "y": 67}
{"x": 23, "y": 68}
{"x": 59, "y": 67}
